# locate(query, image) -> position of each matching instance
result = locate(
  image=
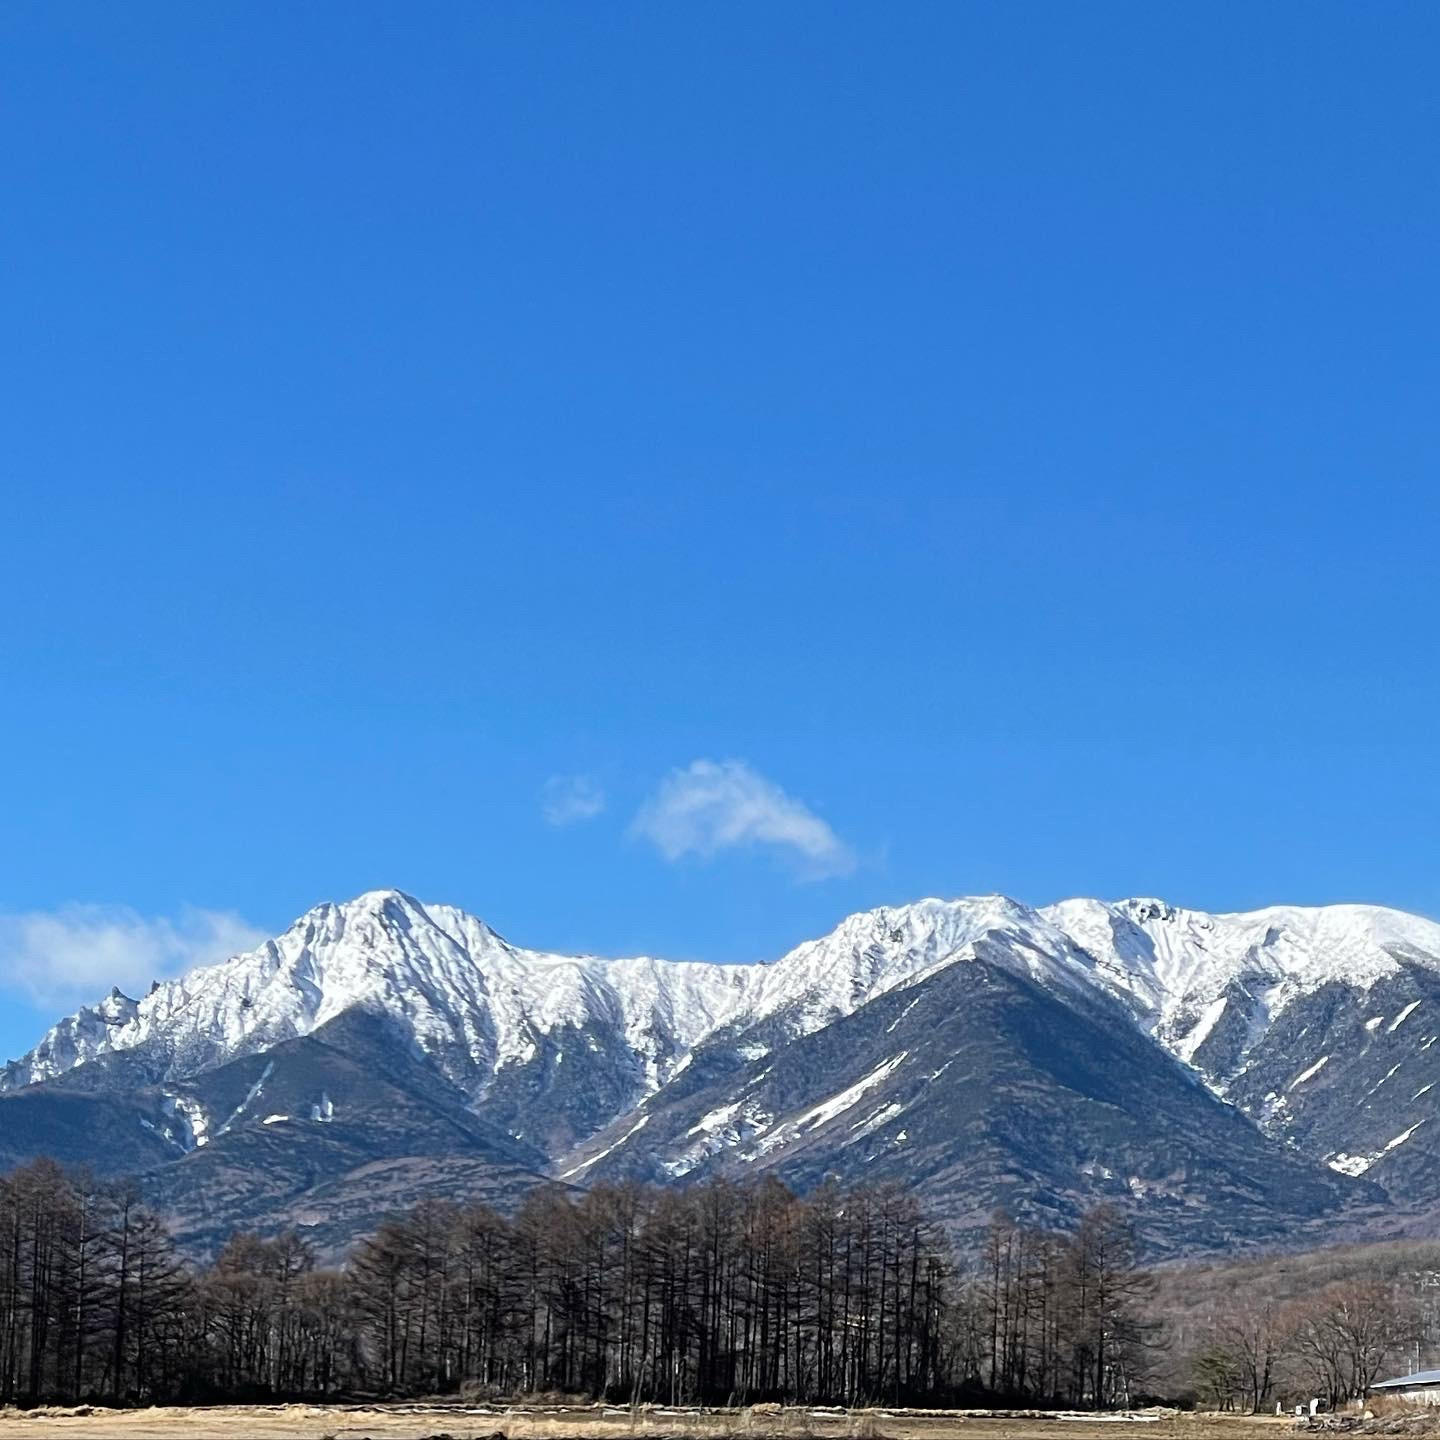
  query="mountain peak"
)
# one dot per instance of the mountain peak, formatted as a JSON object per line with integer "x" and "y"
{"x": 369, "y": 904}
{"x": 382, "y": 899}
{"x": 462, "y": 992}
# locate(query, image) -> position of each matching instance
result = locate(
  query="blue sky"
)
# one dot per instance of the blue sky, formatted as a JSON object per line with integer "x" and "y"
{"x": 664, "y": 477}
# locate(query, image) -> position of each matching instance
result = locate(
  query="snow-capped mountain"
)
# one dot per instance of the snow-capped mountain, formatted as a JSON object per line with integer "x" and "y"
{"x": 481, "y": 1007}
{"x": 1185, "y": 969}
{"x": 463, "y": 994}
{"x": 1311, "y": 1020}
{"x": 585, "y": 1067}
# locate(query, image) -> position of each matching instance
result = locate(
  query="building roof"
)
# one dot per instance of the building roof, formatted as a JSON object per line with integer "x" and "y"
{"x": 1409, "y": 1382}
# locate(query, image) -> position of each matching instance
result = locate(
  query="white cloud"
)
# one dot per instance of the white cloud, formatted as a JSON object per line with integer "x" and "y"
{"x": 75, "y": 954}
{"x": 715, "y": 805}
{"x": 569, "y": 799}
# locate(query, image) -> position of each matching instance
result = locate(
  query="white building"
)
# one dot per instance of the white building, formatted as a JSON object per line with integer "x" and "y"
{"x": 1421, "y": 1388}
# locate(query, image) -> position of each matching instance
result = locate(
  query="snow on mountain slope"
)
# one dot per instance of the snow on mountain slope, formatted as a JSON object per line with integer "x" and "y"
{"x": 1182, "y": 970}
{"x": 875, "y": 951}
{"x": 479, "y": 1006}
{"x": 468, "y": 997}
{"x": 982, "y": 1085}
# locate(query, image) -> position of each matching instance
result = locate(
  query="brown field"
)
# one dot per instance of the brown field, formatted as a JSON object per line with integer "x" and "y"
{"x": 473, "y": 1422}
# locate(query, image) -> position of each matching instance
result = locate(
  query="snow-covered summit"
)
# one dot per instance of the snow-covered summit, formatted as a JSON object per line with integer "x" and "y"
{"x": 466, "y": 995}
{"x": 1177, "y": 966}
{"x": 876, "y": 951}
{"x": 478, "y": 1004}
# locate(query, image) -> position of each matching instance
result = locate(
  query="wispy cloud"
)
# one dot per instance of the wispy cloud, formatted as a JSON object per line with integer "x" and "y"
{"x": 714, "y": 805}
{"x": 76, "y": 953}
{"x": 569, "y": 799}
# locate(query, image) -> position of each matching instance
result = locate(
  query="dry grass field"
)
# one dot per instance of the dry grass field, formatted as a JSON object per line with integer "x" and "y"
{"x": 467, "y": 1422}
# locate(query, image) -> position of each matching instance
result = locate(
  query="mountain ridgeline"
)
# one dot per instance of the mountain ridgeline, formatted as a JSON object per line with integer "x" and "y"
{"x": 1263, "y": 1079}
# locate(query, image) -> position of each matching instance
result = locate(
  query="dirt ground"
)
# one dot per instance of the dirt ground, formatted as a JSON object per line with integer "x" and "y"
{"x": 463, "y": 1422}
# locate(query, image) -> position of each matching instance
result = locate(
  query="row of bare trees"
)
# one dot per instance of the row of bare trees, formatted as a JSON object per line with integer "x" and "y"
{"x": 92, "y": 1299}
{"x": 1062, "y": 1317}
{"x": 1333, "y": 1345}
{"x": 721, "y": 1292}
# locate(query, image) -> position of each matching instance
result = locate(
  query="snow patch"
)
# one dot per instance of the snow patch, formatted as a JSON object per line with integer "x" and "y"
{"x": 251, "y": 1096}
{"x": 1401, "y": 1138}
{"x": 827, "y": 1110}
{"x": 1209, "y": 1017}
{"x": 1310, "y": 1073}
{"x": 715, "y": 1120}
{"x": 190, "y": 1120}
{"x": 639, "y": 1125}
{"x": 1355, "y": 1165}
{"x": 1358, "y": 1164}
{"x": 886, "y": 1113}
{"x": 721, "y": 1129}
{"x": 1402, "y": 1017}
{"x": 902, "y": 1014}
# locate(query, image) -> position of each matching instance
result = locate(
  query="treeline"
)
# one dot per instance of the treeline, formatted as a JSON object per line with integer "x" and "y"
{"x": 1333, "y": 1345}
{"x": 1247, "y": 1333}
{"x": 1066, "y": 1314}
{"x": 1233, "y": 1335}
{"x": 722, "y": 1293}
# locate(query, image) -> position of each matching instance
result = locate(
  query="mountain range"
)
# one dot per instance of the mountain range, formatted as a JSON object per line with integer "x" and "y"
{"x": 1258, "y": 1079}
